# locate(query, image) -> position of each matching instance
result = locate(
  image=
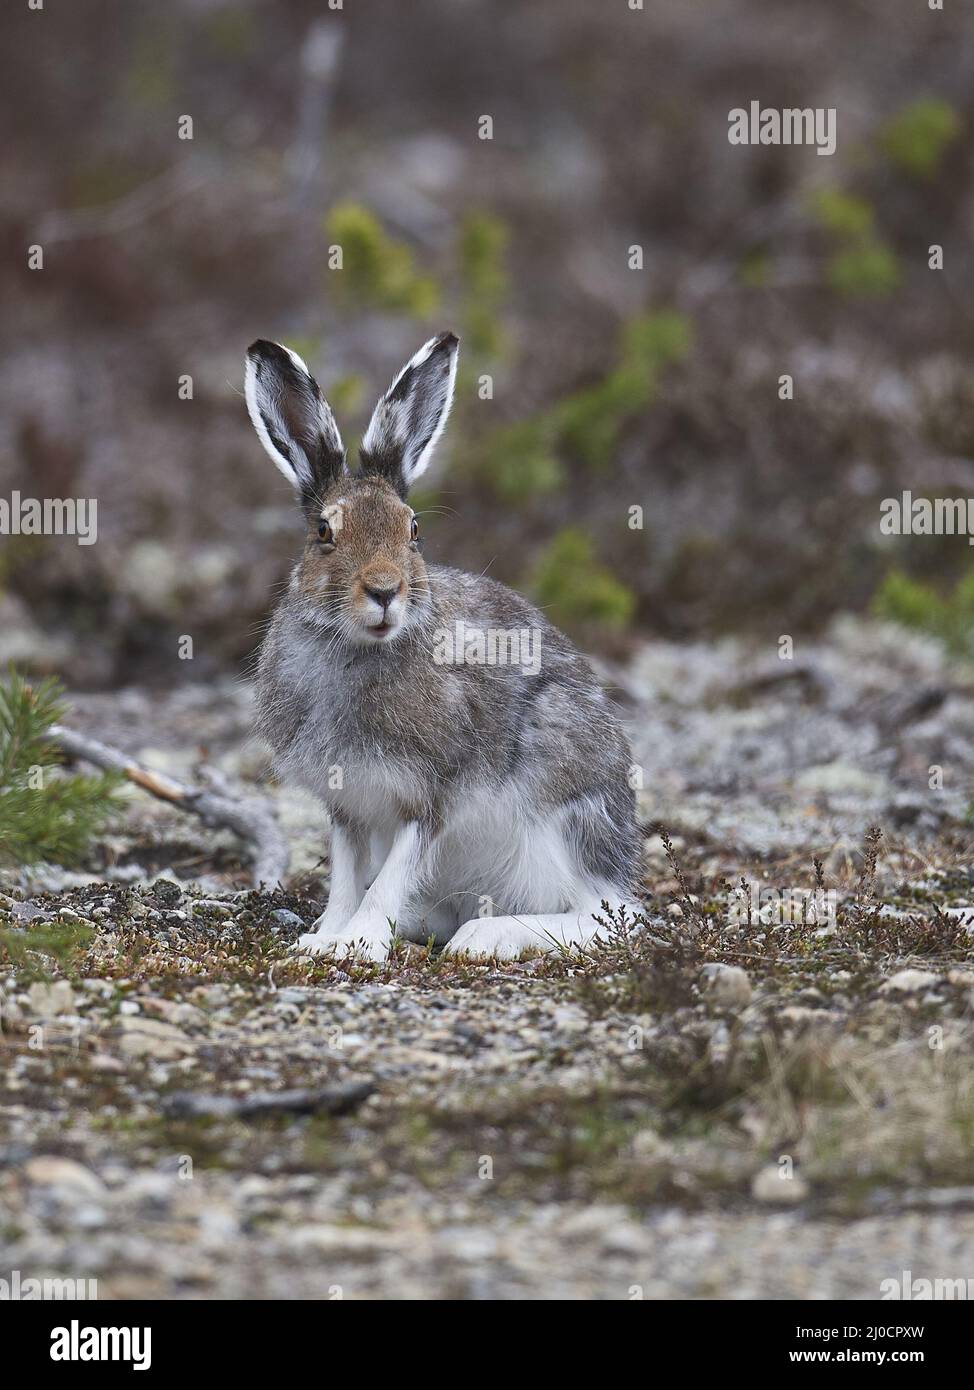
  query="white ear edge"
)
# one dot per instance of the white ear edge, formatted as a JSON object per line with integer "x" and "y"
{"x": 387, "y": 419}
{"x": 422, "y": 463}
{"x": 280, "y": 461}
{"x": 299, "y": 362}
{"x": 417, "y": 360}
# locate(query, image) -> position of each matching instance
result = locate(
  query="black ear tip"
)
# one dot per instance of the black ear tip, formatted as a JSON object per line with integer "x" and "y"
{"x": 262, "y": 348}
{"x": 448, "y": 341}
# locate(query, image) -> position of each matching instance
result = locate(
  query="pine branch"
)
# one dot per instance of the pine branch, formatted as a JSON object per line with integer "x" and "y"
{"x": 56, "y": 817}
{"x": 43, "y": 815}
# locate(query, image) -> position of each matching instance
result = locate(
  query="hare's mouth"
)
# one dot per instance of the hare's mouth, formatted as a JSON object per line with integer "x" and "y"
{"x": 379, "y": 632}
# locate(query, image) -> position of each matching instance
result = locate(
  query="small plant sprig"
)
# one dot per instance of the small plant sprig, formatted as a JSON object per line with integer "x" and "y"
{"x": 43, "y": 814}
{"x": 865, "y": 907}
{"x": 683, "y": 898}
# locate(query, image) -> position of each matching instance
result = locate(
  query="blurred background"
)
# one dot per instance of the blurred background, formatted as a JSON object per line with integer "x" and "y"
{"x": 589, "y": 386}
{"x": 630, "y": 290}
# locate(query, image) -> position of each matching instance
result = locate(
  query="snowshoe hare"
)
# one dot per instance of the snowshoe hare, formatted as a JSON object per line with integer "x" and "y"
{"x": 476, "y": 777}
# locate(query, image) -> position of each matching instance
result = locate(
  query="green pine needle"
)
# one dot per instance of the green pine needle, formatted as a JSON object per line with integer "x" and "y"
{"x": 44, "y": 813}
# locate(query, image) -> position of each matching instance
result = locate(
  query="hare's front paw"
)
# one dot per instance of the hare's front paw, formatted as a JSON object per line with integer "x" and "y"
{"x": 314, "y": 944}
{"x": 324, "y": 932}
{"x": 332, "y": 922}
{"x": 368, "y": 937}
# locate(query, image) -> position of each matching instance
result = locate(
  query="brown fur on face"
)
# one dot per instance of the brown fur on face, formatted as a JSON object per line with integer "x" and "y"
{"x": 372, "y": 550}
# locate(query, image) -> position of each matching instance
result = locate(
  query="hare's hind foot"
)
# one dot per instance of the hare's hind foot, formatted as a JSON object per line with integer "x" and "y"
{"x": 504, "y": 938}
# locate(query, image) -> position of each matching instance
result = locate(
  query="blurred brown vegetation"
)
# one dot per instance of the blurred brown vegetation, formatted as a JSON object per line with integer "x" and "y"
{"x": 612, "y": 387}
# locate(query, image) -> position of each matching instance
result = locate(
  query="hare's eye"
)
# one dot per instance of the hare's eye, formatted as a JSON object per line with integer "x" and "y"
{"x": 414, "y": 529}
{"x": 325, "y": 533}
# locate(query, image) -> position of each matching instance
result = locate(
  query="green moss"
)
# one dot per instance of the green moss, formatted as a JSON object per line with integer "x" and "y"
{"x": 376, "y": 269}
{"x": 571, "y": 585}
{"x": 917, "y": 139}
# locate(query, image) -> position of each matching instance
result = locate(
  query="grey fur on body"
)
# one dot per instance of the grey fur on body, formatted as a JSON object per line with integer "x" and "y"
{"x": 451, "y": 728}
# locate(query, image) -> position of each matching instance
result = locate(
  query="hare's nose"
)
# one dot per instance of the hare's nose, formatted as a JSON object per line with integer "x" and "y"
{"x": 383, "y": 596}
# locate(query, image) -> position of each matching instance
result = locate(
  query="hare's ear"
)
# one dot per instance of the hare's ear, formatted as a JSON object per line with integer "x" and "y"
{"x": 409, "y": 418}
{"x": 292, "y": 419}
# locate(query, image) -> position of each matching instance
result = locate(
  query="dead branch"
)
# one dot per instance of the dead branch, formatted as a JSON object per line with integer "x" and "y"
{"x": 129, "y": 211}
{"x": 251, "y": 819}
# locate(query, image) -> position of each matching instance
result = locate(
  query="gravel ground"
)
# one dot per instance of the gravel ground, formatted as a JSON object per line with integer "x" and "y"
{"x": 738, "y": 1105}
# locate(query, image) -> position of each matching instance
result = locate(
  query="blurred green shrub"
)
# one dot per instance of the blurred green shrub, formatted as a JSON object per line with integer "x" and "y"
{"x": 376, "y": 269}
{"x": 150, "y": 80}
{"x": 347, "y": 395}
{"x": 523, "y": 460}
{"x": 589, "y": 422}
{"x": 917, "y": 139}
{"x": 308, "y": 349}
{"x": 868, "y": 271}
{"x": 863, "y": 265}
{"x": 102, "y": 181}
{"x": 755, "y": 268}
{"x": 43, "y": 816}
{"x": 481, "y": 252}
{"x": 17, "y": 555}
{"x": 575, "y": 589}
{"x": 845, "y": 214}
{"x": 916, "y": 605}
{"x": 232, "y": 30}
{"x": 518, "y": 461}
{"x": 653, "y": 341}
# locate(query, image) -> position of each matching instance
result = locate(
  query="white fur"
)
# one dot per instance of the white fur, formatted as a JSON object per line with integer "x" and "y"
{"x": 491, "y": 854}
{"x": 368, "y": 931}
{"x": 506, "y": 937}
{"x": 348, "y": 867}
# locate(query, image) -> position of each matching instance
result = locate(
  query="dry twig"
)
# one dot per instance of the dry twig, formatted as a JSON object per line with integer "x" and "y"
{"x": 251, "y": 819}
